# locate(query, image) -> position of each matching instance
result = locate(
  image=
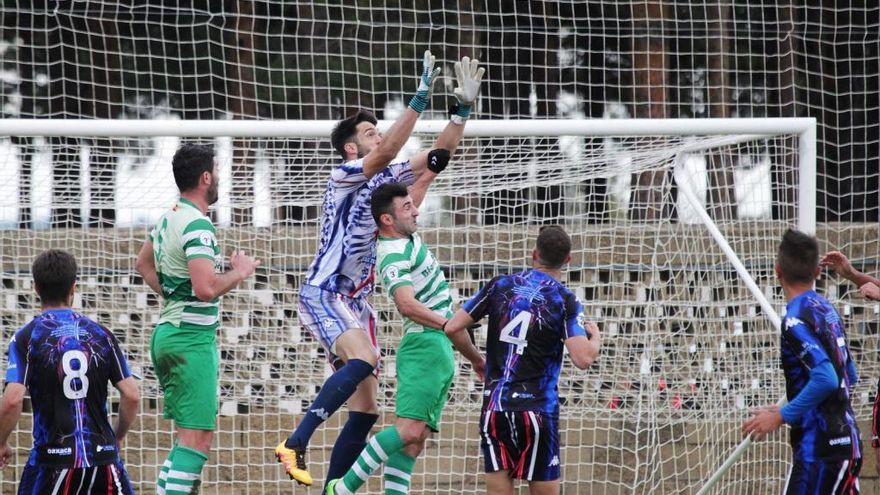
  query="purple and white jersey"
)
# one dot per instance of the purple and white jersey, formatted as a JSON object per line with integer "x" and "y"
{"x": 347, "y": 248}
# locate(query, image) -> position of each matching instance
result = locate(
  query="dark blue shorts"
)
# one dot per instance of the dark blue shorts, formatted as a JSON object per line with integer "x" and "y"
{"x": 110, "y": 479}
{"x": 523, "y": 443}
{"x": 825, "y": 477}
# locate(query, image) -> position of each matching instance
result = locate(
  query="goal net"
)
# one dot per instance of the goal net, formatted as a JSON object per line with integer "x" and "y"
{"x": 687, "y": 348}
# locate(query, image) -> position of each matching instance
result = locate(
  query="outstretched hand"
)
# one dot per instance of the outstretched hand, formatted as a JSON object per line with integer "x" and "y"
{"x": 469, "y": 75}
{"x": 429, "y": 74}
{"x": 838, "y": 262}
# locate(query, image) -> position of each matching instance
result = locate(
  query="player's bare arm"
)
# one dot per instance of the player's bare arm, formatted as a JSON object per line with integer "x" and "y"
{"x": 394, "y": 139}
{"x": 146, "y": 267}
{"x": 208, "y": 285}
{"x": 10, "y": 410}
{"x": 455, "y": 329}
{"x": 129, "y": 400}
{"x": 410, "y": 307}
{"x": 582, "y": 350}
{"x": 841, "y": 265}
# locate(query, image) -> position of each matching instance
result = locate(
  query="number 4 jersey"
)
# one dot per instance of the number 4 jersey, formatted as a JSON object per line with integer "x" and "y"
{"x": 65, "y": 360}
{"x": 531, "y": 315}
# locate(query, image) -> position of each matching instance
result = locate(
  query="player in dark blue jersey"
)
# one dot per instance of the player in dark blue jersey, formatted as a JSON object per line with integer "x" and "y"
{"x": 532, "y": 317}
{"x": 64, "y": 360}
{"x": 819, "y": 376}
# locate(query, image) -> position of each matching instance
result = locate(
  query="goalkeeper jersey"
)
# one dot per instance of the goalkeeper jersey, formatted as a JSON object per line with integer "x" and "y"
{"x": 347, "y": 247}
{"x": 407, "y": 261}
{"x": 184, "y": 234}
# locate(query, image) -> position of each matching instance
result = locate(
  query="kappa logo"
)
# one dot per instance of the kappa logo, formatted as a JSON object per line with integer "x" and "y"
{"x": 792, "y": 321}
{"x": 321, "y": 413}
{"x": 328, "y": 322}
{"x": 554, "y": 461}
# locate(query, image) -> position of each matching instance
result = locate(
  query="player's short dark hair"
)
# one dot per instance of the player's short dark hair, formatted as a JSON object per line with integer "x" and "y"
{"x": 346, "y": 130}
{"x": 190, "y": 162}
{"x": 54, "y": 273}
{"x": 554, "y": 246}
{"x": 798, "y": 256}
{"x": 382, "y": 199}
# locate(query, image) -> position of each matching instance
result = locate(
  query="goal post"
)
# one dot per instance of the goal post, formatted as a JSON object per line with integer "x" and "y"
{"x": 687, "y": 347}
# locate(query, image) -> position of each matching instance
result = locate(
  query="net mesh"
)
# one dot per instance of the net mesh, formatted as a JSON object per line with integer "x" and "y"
{"x": 687, "y": 350}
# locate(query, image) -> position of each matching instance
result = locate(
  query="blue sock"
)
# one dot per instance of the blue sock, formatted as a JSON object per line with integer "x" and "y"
{"x": 336, "y": 390}
{"x": 351, "y": 441}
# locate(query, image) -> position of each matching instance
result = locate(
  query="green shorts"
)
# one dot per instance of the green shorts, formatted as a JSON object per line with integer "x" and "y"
{"x": 425, "y": 366}
{"x": 186, "y": 363}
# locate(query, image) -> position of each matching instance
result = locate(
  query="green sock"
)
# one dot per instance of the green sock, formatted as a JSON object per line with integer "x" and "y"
{"x": 398, "y": 471}
{"x": 384, "y": 444}
{"x": 163, "y": 472}
{"x": 185, "y": 473}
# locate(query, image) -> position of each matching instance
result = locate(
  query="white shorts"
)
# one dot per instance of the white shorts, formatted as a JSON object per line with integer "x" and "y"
{"x": 326, "y": 315}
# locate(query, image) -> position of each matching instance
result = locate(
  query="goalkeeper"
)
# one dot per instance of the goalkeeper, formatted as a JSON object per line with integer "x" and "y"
{"x": 333, "y": 301}
{"x": 425, "y": 362}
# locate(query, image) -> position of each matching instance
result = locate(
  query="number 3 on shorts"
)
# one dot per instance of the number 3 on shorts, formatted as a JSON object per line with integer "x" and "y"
{"x": 515, "y": 331}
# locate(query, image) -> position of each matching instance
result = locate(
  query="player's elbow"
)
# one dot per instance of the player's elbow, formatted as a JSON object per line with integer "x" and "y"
{"x": 204, "y": 293}
{"x": 11, "y": 403}
{"x": 582, "y": 361}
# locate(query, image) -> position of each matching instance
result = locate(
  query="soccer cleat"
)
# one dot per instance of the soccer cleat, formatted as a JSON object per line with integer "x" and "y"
{"x": 331, "y": 487}
{"x": 294, "y": 461}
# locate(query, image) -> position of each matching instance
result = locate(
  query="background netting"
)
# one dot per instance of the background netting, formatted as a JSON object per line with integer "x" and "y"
{"x": 671, "y": 305}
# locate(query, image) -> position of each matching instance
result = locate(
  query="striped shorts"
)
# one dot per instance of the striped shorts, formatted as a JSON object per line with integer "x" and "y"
{"x": 523, "y": 443}
{"x": 109, "y": 479}
{"x": 825, "y": 477}
{"x": 326, "y": 315}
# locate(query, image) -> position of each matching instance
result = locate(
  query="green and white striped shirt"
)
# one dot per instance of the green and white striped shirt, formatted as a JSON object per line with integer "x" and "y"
{"x": 183, "y": 234}
{"x": 409, "y": 262}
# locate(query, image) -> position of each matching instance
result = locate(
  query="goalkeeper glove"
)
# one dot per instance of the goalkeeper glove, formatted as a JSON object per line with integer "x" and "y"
{"x": 437, "y": 160}
{"x": 469, "y": 75}
{"x": 420, "y": 101}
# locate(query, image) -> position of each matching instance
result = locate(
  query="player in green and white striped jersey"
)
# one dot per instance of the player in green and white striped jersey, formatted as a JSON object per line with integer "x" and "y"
{"x": 425, "y": 362}
{"x": 181, "y": 261}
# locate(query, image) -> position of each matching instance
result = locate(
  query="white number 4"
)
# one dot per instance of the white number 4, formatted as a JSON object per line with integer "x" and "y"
{"x": 515, "y": 331}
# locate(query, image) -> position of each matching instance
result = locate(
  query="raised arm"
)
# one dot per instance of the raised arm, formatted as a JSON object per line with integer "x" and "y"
{"x": 469, "y": 75}
{"x": 841, "y": 265}
{"x": 394, "y": 139}
{"x": 146, "y": 266}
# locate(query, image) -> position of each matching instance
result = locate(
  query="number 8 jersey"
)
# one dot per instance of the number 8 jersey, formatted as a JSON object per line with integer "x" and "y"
{"x": 531, "y": 314}
{"x": 66, "y": 360}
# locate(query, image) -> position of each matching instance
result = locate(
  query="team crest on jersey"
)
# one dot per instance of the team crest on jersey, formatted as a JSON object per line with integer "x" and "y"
{"x": 206, "y": 239}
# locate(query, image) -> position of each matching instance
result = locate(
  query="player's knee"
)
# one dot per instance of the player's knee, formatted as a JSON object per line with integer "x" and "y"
{"x": 414, "y": 449}
{"x": 412, "y": 433}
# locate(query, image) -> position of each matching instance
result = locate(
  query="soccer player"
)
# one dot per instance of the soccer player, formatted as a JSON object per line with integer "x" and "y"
{"x": 333, "y": 301}
{"x": 819, "y": 376}
{"x": 869, "y": 287}
{"x": 425, "y": 363}
{"x": 65, "y": 360}
{"x": 532, "y": 315}
{"x": 181, "y": 261}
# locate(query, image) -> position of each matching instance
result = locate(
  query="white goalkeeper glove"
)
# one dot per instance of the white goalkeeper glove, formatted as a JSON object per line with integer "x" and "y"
{"x": 469, "y": 75}
{"x": 423, "y": 93}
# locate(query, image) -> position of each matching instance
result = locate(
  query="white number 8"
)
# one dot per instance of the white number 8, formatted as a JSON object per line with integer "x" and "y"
{"x": 70, "y": 374}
